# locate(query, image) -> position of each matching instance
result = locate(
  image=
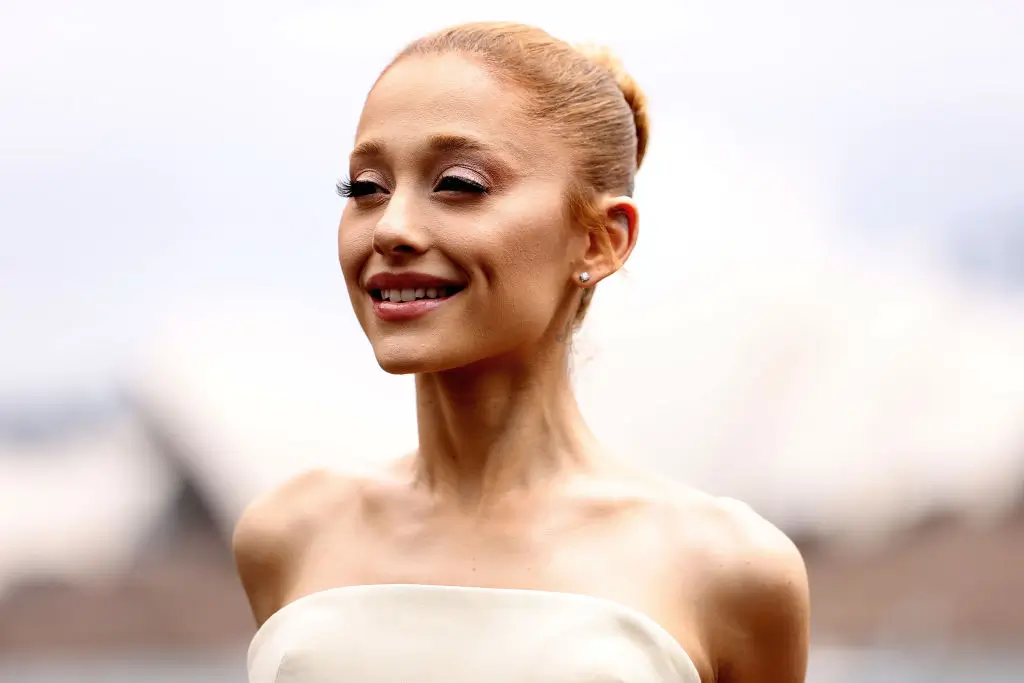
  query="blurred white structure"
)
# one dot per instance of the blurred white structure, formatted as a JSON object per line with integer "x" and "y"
{"x": 79, "y": 506}
{"x": 740, "y": 353}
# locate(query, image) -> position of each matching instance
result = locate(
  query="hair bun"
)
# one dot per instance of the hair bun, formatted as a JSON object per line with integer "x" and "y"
{"x": 635, "y": 97}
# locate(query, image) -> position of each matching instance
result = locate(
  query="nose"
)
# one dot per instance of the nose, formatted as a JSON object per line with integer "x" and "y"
{"x": 395, "y": 236}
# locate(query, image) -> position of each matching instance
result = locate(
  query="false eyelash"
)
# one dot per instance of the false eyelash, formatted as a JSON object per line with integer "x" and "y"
{"x": 344, "y": 188}
{"x": 358, "y": 188}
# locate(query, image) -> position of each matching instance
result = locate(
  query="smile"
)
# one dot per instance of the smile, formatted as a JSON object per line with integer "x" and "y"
{"x": 399, "y": 305}
{"x": 398, "y": 297}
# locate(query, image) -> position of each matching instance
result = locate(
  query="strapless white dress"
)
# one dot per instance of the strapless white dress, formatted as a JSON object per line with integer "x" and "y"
{"x": 444, "y": 634}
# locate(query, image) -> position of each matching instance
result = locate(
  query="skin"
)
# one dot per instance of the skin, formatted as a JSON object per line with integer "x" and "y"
{"x": 508, "y": 488}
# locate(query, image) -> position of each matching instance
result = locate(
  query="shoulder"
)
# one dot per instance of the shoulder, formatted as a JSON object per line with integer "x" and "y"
{"x": 277, "y": 515}
{"x": 273, "y": 531}
{"x": 755, "y": 605}
{"x": 758, "y": 572}
{"x": 748, "y": 551}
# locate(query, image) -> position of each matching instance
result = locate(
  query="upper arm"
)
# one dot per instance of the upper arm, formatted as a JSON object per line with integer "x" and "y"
{"x": 260, "y": 549}
{"x": 268, "y": 540}
{"x": 763, "y": 610}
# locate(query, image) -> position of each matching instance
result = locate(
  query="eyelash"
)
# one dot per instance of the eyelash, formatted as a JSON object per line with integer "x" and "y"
{"x": 354, "y": 188}
{"x": 362, "y": 188}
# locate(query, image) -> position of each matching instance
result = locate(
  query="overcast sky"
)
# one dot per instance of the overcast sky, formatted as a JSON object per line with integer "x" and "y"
{"x": 157, "y": 153}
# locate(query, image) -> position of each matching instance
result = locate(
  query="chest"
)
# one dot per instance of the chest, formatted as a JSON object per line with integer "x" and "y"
{"x": 619, "y": 555}
{"x": 547, "y": 547}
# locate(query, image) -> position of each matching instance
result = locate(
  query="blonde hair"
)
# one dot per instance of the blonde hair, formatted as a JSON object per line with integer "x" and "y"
{"x": 584, "y": 92}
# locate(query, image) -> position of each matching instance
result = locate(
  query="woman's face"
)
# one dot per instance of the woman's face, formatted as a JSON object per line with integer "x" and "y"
{"x": 456, "y": 244}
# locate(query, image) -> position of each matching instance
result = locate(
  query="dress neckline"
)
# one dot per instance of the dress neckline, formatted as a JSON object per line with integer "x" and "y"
{"x": 657, "y": 630}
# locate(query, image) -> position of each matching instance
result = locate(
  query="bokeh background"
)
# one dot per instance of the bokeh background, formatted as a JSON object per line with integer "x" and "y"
{"x": 824, "y": 316}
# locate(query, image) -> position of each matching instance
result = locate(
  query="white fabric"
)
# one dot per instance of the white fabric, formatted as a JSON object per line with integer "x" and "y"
{"x": 445, "y": 634}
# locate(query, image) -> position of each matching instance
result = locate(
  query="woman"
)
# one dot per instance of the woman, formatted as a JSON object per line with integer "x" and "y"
{"x": 489, "y": 193}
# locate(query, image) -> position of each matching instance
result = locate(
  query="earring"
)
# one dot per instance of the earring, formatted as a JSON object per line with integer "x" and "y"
{"x": 584, "y": 277}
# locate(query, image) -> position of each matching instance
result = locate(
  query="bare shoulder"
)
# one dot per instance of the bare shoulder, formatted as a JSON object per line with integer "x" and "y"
{"x": 280, "y": 514}
{"x": 273, "y": 530}
{"x": 748, "y": 551}
{"x": 756, "y": 606}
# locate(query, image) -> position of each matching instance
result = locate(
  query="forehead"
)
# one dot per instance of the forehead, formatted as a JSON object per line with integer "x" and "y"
{"x": 429, "y": 95}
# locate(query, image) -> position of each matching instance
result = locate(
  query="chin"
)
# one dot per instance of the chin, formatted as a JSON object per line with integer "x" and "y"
{"x": 402, "y": 366}
{"x": 403, "y": 359}
{"x": 435, "y": 351}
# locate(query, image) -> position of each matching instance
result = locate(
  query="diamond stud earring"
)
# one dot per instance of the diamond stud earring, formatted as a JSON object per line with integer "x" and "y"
{"x": 584, "y": 277}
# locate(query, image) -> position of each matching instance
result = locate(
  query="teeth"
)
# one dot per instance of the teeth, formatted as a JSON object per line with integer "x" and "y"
{"x": 403, "y": 295}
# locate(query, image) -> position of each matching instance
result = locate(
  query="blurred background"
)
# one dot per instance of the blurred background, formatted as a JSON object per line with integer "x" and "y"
{"x": 824, "y": 316}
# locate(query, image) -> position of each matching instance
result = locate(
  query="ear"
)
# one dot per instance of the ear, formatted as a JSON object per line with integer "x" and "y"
{"x": 608, "y": 249}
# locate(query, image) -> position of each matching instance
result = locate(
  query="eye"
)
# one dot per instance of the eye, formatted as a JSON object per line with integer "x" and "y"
{"x": 357, "y": 188}
{"x": 454, "y": 183}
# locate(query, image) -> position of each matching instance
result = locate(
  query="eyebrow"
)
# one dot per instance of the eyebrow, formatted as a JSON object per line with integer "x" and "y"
{"x": 443, "y": 143}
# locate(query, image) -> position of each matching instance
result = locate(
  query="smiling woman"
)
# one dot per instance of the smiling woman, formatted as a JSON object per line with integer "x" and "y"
{"x": 489, "y": 191}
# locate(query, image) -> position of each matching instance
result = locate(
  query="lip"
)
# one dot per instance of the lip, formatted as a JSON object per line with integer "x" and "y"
{"x": 409, "y": 280}
{"x": 409, "y": 310}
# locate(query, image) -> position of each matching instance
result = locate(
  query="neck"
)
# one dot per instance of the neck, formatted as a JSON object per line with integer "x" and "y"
{"x": 485, "y": 432}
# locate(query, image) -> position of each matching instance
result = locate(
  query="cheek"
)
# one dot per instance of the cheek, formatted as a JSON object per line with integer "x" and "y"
{"x": 530, "y": 274}
{"x": 530, "y": 230}
{"x": 354, "y": 247}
